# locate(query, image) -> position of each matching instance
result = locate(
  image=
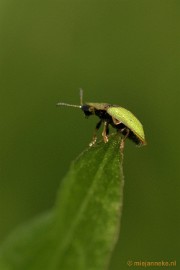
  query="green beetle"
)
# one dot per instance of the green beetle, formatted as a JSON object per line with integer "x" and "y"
{"x": 118, "y": 117}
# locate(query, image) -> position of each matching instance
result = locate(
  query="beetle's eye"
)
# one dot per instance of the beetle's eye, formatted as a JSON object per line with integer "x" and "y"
{"x": 91, "y": 109}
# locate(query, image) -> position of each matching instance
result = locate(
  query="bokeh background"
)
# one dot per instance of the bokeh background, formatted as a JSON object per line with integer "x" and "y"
{"x": 124, "y": 52}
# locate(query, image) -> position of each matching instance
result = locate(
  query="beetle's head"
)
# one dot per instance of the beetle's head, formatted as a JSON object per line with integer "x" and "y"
{"x": 88, "y": 110}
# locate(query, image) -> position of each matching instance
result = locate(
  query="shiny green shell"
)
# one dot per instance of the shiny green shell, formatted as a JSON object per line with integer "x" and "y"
{"x": 124, "y": 116}
{"x": 128, "y": 119}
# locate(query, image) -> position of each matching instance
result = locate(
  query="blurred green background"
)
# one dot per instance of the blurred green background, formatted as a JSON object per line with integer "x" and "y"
{"x": 122, "y": 52}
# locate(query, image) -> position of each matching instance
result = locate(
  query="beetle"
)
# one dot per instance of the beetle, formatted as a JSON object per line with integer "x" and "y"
{"x": 118, "y": 117}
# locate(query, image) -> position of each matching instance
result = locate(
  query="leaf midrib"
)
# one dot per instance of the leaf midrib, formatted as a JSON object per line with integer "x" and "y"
{"x": 63, "y": 246}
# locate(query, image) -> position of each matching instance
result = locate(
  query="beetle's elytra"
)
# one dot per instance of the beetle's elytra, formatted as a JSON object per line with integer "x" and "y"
{"x": 119, "y": 118}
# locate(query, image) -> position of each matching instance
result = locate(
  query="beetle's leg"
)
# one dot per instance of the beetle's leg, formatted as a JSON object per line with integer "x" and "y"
{"x": 105, "y": 132}
{"x": 124, "y": 138}
{"x": 95, "y": 136}
{"x": 115, "y": 121}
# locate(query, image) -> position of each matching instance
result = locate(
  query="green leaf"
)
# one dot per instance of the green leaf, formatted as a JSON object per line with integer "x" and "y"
{"x": 82, "y": 229}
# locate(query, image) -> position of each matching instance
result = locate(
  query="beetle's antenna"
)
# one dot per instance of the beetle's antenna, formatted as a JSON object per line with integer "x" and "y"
{"x": 81, "y": 96}
{"x": 68, "y": 105}
{"x": 71, "y": 105}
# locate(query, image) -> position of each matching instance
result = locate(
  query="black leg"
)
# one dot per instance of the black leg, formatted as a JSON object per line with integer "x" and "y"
{"x": 107, "y": 129}
{"x": 95, "y": 136}
{"x": 98, "y": 125}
